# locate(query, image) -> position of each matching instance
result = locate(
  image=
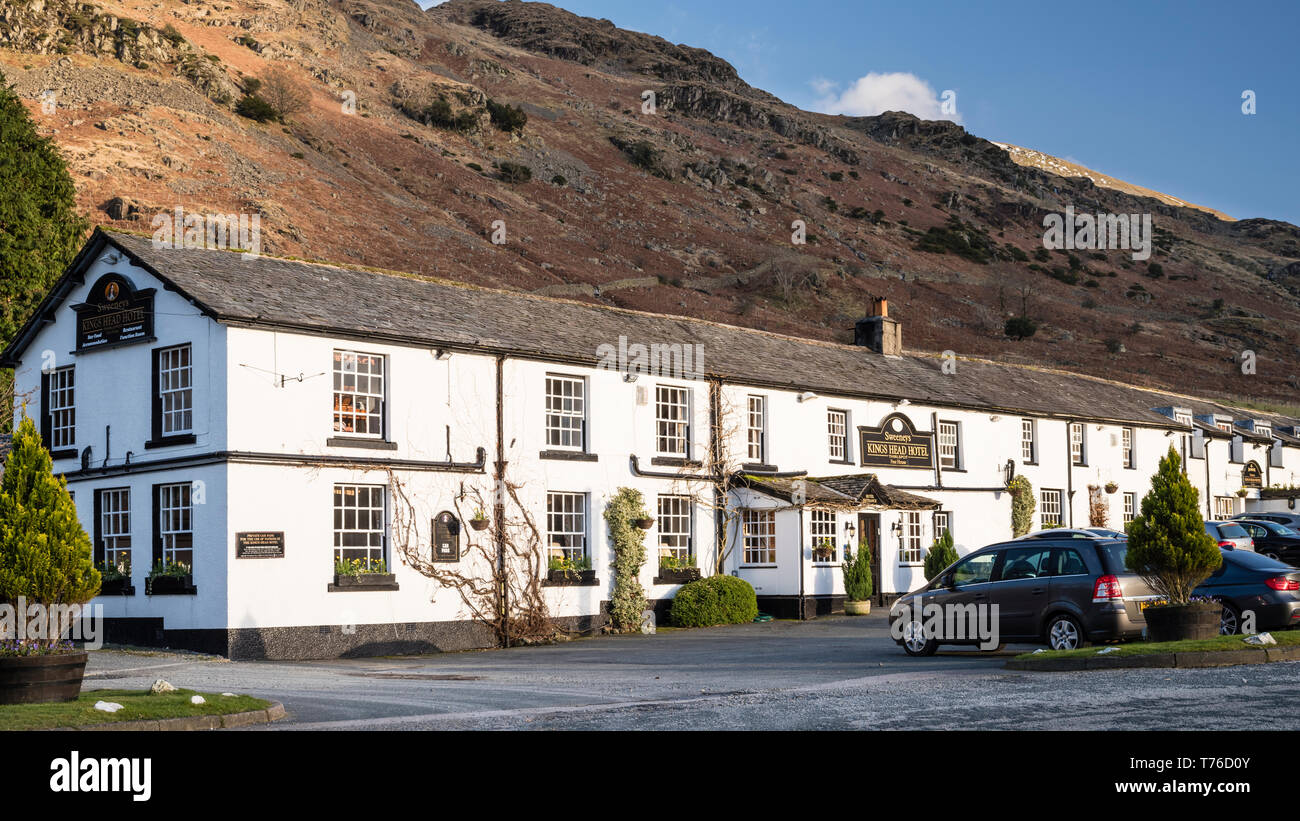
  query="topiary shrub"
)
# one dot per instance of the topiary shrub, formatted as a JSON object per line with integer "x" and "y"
{"x": 715, "y": 600}
{"x": 1167, "y": 543}
{"x": 940, "y": 555}
{"x": 858, "y": 584}
{"x": 45, "y": 555}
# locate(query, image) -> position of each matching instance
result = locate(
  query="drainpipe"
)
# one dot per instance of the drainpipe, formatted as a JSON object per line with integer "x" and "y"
{"x": 802, "y": 612}
{"x": 499, "y": 505}
{"x": 715, "y": 453}
{"x": 1069, "y": 473}
{"x": 1209, "y": 495}
{"x": 934, "y": 448}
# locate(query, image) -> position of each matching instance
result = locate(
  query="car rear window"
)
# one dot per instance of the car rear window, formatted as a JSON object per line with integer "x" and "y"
{"x": 1255, "y": 561}
{"x": 1227, "y": 531}
{"x": 1112, "y": 556}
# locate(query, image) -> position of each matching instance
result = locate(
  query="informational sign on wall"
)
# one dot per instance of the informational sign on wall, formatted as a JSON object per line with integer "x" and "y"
{"x": 896, "y": 444}
{"x": 114, "y": 313}
{"x": 260, "y": 544}
{"x": 1252, "y": 475}
{"x": 446, "y": 537}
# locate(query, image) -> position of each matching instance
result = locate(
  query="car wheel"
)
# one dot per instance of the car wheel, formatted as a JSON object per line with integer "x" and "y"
{"x": 1229, "y": 620}
{"x": 915, "y": 642}
{"x": 1064, "y": 632}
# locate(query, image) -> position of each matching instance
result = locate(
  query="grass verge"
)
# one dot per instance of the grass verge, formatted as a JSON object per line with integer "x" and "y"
{"x": 136, "y": 705}
{"x": 1288, "y": 638}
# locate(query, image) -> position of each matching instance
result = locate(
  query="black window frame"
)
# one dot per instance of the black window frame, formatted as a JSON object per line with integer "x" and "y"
{"x": 156, "y": 437}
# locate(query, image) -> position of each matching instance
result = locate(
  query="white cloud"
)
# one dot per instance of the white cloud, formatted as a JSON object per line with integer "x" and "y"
{"x": 880, "y": 92}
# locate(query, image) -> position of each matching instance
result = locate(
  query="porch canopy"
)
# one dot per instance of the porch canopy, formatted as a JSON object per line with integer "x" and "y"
{"x": 856, "y": 491}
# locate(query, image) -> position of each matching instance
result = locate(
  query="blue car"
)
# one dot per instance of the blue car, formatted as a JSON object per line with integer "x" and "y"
{"x": 1249, "y": 583}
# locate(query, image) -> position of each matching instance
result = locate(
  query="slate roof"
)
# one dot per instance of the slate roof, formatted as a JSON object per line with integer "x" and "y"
{"x": 852, "y": 491}
{"x": 340, "y": 301}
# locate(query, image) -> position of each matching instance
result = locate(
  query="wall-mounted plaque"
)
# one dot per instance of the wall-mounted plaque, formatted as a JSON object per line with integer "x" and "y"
{"x": 446, "y": 537}
{"x": 1252, "y": 475}
{"x": 114, "y": 313}
{"x": 262, "y": 544}
{"x": 896, "y": 444}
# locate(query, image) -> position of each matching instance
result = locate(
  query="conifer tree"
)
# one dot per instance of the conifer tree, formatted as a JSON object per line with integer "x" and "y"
{"x": 40, "y": 231}
{"x": 1167, "y": 543}
{"x": 45, "y": 554}
{"x": 940, "y": 555}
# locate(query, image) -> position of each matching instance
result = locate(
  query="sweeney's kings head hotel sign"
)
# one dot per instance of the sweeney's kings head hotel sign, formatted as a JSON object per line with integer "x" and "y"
{"x": 896, "y": 444}
{"x": 114, "y": 313}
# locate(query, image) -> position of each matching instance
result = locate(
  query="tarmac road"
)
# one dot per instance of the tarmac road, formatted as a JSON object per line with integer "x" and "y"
{"x": 827, "y": 674}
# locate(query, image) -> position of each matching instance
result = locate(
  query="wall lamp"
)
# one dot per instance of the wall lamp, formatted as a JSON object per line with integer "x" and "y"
{"x": 441, "y": 354}
{"x": 806, "y": 396}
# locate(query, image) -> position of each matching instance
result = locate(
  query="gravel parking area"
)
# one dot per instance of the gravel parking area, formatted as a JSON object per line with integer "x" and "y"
{"x": 831, "y": 673}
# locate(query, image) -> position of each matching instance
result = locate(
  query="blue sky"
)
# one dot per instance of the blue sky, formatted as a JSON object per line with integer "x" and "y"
{"x": 1147, "y": 92}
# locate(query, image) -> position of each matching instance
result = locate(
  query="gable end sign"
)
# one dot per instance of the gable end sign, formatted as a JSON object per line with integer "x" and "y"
{"x": 114, "y": 313}
{"x": 1252, "y": 475}
{"x": 896, "y": 444}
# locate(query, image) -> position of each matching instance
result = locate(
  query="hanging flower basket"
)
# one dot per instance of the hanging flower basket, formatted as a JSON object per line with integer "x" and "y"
{"x": 1111, "y": 487}
{"x": 478, "y": 524}
{"x": 644, "y": 523}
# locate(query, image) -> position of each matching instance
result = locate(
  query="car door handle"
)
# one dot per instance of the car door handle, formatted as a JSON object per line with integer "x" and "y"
{"x": 980, "y": 596}
{"x": 1038, "y": 591}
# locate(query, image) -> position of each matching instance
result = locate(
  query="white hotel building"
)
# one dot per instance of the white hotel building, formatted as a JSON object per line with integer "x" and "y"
{"x": 246, "y": 417}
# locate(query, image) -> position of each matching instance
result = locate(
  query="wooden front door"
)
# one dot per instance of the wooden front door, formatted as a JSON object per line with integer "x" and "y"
{"x": 869, "y": 540}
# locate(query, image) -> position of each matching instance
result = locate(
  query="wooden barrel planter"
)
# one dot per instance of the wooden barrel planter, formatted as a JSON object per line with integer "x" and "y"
{"x": 1199, "y": 620}
{"x": 40, "y": 679}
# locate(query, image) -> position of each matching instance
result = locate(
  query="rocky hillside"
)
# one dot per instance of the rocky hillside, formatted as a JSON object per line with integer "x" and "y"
{"x": 407, "y": 157}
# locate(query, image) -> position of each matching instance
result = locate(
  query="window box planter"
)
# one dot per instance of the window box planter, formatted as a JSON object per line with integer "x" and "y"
{"x": 117, "y": 587}
{"x": 571, "y": 578}
{"x": 366, "y": 581}
{"x": 681, "y": 575}
{"x": 41, "y": 679}
{"x": 170, "y": 586}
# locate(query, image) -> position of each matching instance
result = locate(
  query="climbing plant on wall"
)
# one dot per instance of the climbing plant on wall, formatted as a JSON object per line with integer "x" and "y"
{"x": 1022, "y": 505}
{"x": 628, "y": 601}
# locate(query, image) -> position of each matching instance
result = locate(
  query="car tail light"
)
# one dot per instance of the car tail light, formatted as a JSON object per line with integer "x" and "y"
{"x": 1107, "y": 589}
{"x": 1228, "y": 545}
{"x": 1282, "y": 583}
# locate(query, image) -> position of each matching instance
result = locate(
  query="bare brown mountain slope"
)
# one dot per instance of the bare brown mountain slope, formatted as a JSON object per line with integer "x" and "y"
{"x": 686, "y": 210}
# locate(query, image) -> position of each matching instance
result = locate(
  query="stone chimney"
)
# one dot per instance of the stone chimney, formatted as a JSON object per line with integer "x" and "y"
{"x": 878, "y": 332}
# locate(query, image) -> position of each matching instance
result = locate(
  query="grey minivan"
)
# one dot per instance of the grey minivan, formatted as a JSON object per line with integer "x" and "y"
{"x": 1062, "y": 592}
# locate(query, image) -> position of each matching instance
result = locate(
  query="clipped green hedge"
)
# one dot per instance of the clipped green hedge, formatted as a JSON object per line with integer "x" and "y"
{"x": 715, "y": 600}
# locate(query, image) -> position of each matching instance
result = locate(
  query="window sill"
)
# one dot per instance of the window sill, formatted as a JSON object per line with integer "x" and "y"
{"x": 952, "y": 470}
{"x": 358, "y": 442}
{"x": 362, "y": 583}
{"x": 759, "y": 467}
{"x": 675, "y": 462}
{"x": 569, "y": 455}
{"x": 911, "y": 564}
{"x": 1029, "y": 463}
{"x": 840, "y": 461}
{"x": 170, "y": 441}
{"x": 825, "y": 563}
{"x": 758, "y": 566}
{"x": 65, "y": 453}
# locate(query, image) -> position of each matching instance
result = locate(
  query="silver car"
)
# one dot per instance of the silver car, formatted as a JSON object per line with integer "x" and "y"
{"x": 1230, "y": 535}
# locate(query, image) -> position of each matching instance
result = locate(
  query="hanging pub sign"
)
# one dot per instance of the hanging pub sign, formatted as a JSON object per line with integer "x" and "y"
{"x": 896, "y": 444}
{"x": 1252, "y": 475}
{"x": 114, "y": 313}
{"x": 260, "y": 545}
{"x": 446, "y": 537}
